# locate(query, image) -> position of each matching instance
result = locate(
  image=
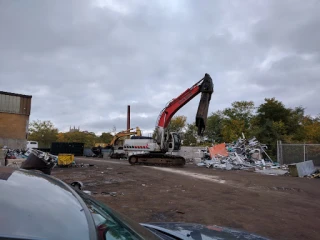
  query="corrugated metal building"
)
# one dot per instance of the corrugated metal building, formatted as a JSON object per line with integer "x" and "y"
{"x": 14, "y": 119}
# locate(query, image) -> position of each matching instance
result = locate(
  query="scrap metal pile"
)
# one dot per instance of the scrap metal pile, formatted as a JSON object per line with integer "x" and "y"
{"x": 29, "y": 159}
{"x": 33, "y": 159}
{"x": 241, "y": 154}
{"x": 22, "y": 154}
{"x": 14, "y": 153}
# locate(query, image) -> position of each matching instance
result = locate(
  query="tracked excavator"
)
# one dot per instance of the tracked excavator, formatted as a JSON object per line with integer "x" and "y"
{"x": 162, "y": 150}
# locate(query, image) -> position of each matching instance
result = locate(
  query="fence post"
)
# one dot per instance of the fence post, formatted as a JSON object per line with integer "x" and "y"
{"x": 278, "y": 152}
{"x": 304, "y": 152}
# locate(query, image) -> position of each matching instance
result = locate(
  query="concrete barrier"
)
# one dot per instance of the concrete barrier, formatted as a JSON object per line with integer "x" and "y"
{"x": 191, "y": 152}
{"x": 302, "y": 169}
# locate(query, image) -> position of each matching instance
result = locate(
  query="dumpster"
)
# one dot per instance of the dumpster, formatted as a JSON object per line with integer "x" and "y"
{"x": 74, "y": 148}
{"x": 65, "y": 159}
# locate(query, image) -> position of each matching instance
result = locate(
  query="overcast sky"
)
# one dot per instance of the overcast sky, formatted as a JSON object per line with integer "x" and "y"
{"x": 83, "y": 62}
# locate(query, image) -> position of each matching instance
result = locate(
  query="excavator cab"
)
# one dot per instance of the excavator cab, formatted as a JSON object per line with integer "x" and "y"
{"x": 174, "y": 142}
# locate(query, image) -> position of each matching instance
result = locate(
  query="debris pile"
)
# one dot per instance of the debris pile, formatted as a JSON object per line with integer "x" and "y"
{"x": 21, "y": 154}
{"x": 14, "y": 153}
{"x": 33, "y": 158}
{"x": 240, "y": 155}
{"x": 316, "y": 174}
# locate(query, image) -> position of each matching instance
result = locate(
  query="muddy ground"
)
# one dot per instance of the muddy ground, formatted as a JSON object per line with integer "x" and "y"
{"x": 278, "y": 207}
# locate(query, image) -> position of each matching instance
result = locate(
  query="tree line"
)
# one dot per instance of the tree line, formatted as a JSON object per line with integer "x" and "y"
{"x": 268, "y": 122}
{"x": 45, "y": 133}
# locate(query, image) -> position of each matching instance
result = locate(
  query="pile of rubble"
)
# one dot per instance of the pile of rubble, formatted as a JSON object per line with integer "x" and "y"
{"x": 241, "y": 155}
{"x": 15, "y": 157}
{"x": 33, "y": 159}
{"x": 14, "y": 153}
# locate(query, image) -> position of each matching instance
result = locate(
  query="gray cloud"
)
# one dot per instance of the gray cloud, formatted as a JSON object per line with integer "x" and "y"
{"x": 85, "y": 61}
{"x": 290, "y": 25}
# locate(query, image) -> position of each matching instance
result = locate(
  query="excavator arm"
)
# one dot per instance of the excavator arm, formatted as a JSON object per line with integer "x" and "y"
{"x": 125, "y": 133}
{"x": 205, "y": 87}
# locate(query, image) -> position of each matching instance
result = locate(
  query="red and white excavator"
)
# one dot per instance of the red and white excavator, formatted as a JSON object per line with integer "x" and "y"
{"x": 162, "y": 149}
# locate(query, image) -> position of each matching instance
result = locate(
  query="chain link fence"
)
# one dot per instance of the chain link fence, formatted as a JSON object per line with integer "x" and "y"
{"x": 294, "y": 153}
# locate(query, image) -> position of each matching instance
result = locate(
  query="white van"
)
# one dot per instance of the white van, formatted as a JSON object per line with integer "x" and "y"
{"x": 32, "y": 144}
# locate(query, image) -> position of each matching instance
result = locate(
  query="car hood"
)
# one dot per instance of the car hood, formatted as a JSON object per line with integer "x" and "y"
{"x": 193, "y": 231}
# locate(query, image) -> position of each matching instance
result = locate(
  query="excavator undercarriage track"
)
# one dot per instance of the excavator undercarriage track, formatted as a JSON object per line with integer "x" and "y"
{"x": 157, "y": 159}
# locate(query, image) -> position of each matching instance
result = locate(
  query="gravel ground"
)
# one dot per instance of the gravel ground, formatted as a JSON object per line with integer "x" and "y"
{"x": 279, "y": 207}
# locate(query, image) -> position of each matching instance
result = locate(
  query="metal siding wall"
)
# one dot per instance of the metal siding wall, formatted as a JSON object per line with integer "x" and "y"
{"x": 10, "y": 104}
{"x": 25, "y": 105}
{"x": 3, "y": 103}
{"x": 22, "y": 106}
{"x": 29, "y": 106}
{"x": 15, "y": 104}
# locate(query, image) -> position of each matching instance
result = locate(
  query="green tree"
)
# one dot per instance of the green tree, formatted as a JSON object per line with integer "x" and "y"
{"x": 190, "y": 135}
{"x": 177, "y": 124}
{"x": 273, "y": 110}
{"x": 213, "y": 131}
{"x": 237, "y": 119}
{"x": 88, "y": 138}
{"x": 106, "y": 137}
{"x": 43, "y": 132}
{"x": 294, "y": 127}
{"x": 311, "y": 129}
{"x": 232, "y": 129}
{"x": 240, "y": 110}
{"x": 272, "y": 123}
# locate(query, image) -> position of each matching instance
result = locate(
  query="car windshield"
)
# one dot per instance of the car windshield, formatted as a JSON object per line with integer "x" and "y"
{"x": 112, "y": 225}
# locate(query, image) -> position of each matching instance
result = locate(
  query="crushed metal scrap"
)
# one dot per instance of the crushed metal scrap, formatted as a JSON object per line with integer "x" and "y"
{"x": 34, "y": 159}
{"x": 242, "y": 155}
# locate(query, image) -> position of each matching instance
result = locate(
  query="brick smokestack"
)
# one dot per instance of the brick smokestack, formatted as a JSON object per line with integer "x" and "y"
{"x": 128, "y": 117}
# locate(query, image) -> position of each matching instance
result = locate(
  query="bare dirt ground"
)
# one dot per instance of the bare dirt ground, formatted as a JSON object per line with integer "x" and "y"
{"x": 278, "y": 207}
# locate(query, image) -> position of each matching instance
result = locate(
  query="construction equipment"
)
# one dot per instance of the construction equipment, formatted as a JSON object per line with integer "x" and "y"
{"x": 115, "y": 147}
{"x": 153, "y": 151}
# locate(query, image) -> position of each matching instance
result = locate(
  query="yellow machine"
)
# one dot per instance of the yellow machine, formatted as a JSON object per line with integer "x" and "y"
{"x": 116, "y": 144}
{"x": 65, "y": 159}
{"x": 120, "y": 136}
